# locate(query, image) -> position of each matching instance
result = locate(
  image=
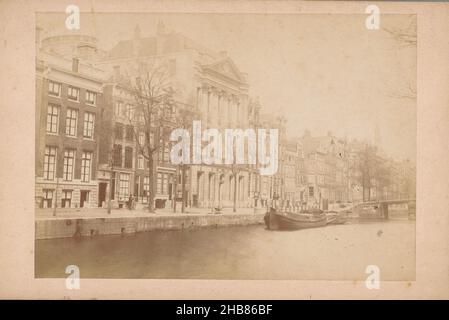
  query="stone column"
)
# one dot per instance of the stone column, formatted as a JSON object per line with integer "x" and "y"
{"x": 244, "y": 116}
{"x": 228, "y": 111}
{"x": 199, "y": 99}
{"x": 238, "y": 190}
{"x": 233, "y": 109}
{"x": 215, "y": 107}
{"x": 201, "y": 188}
{"x": 206, "y": 104}
{"x": 231, "y": 188}
{"x": 237, "y": 114}
{"x": 219, "y": 101}
{"x": 215, "y": 189}
{"x": 250, "y": 181}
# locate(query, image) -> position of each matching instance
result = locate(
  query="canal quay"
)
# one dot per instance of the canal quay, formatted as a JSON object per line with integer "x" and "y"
{"x": 97, "y": 222}
{"x": 244, "y": 249}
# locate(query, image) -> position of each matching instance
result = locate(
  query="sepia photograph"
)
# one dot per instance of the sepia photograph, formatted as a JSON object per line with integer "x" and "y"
{"x": 201, "y": 151}
{"x": 235, "y": 146}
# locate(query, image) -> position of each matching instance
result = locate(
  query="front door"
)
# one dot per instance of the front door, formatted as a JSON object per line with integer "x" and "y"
{"x": 102, "y": 193}
{"x": 84, "y": 197}
{"x": 325, "y": 204}
{"x": 170, "y": 191}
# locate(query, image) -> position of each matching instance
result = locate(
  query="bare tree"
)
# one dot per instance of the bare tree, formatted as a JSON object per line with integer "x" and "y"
{"x": 405, "y": 93}
{"x": 364, "y": 166}
{"x": 382, "y": 174}
{"x": 107, "y": 133}
{"x": 371, "y": 171}
{"x": 405, "y": 38}
{"x": 111, "y": 166}
{"x": 153, "y": 113}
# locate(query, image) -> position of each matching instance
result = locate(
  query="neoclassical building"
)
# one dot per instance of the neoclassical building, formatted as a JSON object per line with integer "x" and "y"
{"x": 222, "y": 101}
{"x": 210, "y": 84}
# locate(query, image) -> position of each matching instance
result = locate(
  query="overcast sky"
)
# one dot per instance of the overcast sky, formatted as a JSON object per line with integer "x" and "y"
{"x": 322, "y": 72}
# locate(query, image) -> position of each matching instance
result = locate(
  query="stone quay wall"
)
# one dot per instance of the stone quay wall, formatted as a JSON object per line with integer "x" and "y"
{"x": 90, "y": 227}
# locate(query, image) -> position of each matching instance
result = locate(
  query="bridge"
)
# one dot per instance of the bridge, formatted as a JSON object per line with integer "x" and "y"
{"x": 364, "y": 209}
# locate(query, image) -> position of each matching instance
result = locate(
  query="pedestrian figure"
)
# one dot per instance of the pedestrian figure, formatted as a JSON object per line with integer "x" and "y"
{"x": 130, "y": 202}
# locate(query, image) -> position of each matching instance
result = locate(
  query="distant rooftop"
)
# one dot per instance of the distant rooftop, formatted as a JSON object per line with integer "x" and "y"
{"x": 162, "y": 43}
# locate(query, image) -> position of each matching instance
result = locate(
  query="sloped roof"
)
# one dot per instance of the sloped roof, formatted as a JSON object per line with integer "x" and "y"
{"x": 160, "y": 44}
{"x": 125, "y": 49}
{"x": 322, "y": 144}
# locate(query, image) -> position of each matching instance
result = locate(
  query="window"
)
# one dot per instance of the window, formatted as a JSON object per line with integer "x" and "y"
{"x": 172, "y": 67}
{"x": 166, "y": 153}
{"x": 140, "y": 162}
{"x": 75, "y": 64}
{"x": 118, "y": 131}
{"x": 162, "y": 183}
{"x": 69, "y": 159}
{"x": 124, "y": 185}
{"x": 129, "y": 133}
{"x": 168, "y": 113}
{"x": 128, "y": 157}
{"x": 66, "y": 199}
{"x": 50, "y": 163}
{"x": 141, "y": 117}
{"x": 91, "y": 97}
{"x": 118, "y": 108}
{"x": 321, "y": 179}
{"x": 141, "y": 138}
{"x": 310, "y": 191}
{"x": 165, "y": 184}
{"x": 124, "y": 111}
{"x": 52, "y": 118}
{"x": 117, "y": 155}
{"x": 159, "y": 183}
{"x": 129, "y": 111}
{"x": 161, "y": 150}
{"x": 146, "y": 186}
{"x": 84, "y": 198}
{"x": 86, "y": 160}
{"x": 71, "y": 122}
{"x": 47, "y": 197}
{"x": 73, "y": 93}
{"x": 54, "y": 88}
{"x": 89, "y": 119}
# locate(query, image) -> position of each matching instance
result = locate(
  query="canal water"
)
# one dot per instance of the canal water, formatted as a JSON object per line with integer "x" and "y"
{"x": 334, "y": 252}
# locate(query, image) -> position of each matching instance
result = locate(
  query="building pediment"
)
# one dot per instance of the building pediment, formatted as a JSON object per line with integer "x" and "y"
{"x": 226, "y": 68}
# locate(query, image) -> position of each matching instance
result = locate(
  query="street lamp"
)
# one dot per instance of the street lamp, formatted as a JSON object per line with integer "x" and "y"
{"x": 56, "y": 197}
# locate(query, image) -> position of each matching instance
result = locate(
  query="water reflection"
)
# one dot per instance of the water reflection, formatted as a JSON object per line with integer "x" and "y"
{"x": 247, "y": 252}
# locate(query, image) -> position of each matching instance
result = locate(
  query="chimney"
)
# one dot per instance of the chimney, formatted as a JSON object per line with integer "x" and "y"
{"x": 307, "y": 133}
{"x": 116, "y": 74}
{"x": 38, "y": 38}
{"x": 75, "y": 64}
{"x": 137, "y": 32}
{"x": 223, "y": 54}
{"x": 136, "y": 41}
{"x": 160, "y": 28}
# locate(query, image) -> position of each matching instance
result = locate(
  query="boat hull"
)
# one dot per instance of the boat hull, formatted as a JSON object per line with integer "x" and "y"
{"x": 293, "y": 221}
{"x": 336, "y": 219}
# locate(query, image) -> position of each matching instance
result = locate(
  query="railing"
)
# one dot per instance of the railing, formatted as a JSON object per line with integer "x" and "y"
{"x": 388, "y": 201}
